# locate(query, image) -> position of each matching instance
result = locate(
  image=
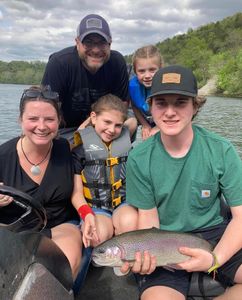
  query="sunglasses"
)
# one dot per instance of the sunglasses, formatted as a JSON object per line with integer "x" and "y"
{"x": 45, "y": 94}
{"x": 89, "y": 44}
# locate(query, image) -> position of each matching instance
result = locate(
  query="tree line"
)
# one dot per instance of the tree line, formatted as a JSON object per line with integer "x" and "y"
{"x": 21, "y": 72}
{"x": 211, "y": 50}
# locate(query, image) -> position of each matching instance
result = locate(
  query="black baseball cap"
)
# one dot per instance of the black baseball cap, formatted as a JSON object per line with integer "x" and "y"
{"x": 94, "y": 24}
{"x": 174, "y": 80}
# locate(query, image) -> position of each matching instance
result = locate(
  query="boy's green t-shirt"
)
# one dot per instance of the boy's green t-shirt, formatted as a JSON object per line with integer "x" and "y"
{"x": 186, "y": 191}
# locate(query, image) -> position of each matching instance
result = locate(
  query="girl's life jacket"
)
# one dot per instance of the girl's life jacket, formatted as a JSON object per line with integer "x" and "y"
{"x": 104, "y": 170}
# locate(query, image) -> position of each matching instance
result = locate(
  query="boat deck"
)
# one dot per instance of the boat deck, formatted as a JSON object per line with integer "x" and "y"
{"x": 102, "y": 283}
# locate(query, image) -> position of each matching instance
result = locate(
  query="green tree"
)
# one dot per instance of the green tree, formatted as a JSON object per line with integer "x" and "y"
{"x": 196, "y": 56}
{"x": 21, "y": 72}
{"x": 230, "y": 74}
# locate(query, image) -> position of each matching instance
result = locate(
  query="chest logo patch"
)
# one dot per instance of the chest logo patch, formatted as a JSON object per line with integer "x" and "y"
{"x": 205, "y": 193}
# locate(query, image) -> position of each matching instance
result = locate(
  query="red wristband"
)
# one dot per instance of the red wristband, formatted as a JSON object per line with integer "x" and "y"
{"x": 84, "y": 210}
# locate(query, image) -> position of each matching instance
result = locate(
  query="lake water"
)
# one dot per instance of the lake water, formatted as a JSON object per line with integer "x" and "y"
{"x": 10, "y": 95}
{"x": 221, "y": 115}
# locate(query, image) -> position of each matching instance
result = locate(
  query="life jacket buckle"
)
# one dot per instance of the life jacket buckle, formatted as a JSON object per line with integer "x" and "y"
{"x": 117, "y": 185}
{"x": 76, "y": 139}
{"x": 116, "y": 201}
{"x": 112, "y": 161}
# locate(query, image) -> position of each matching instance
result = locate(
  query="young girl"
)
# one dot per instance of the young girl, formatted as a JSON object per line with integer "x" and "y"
{"x": 100, "y": 170}
{"x": 146, "y": 61}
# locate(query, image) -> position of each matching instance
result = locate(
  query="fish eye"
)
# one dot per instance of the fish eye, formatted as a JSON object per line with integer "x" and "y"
{"x": 101, "y": 250}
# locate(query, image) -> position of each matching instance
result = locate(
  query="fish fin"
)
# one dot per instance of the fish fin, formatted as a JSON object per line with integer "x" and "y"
{"x": 173, "y": 267}
{"x": 95, "y": 264}
{"x": 117, "y": 271}
{"x": 168, "y": 268}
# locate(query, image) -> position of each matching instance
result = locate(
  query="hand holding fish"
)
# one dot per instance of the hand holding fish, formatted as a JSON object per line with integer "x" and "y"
{"x": 142, "y": 250}
{"x": 200, "y": 259}
{"x": 142, "y": 265}
{"x": 89, "y": 231}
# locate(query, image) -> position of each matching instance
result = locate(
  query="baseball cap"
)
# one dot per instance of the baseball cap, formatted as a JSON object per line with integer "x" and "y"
{"x": 94, "y": 24}
{"x": 174, "y": 79}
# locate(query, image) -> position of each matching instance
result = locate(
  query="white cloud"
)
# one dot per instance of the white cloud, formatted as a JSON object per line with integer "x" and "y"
{"x": 32, "y": 30}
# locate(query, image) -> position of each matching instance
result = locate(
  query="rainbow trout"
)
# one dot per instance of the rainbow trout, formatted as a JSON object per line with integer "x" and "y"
{"x": 162, "y": 244}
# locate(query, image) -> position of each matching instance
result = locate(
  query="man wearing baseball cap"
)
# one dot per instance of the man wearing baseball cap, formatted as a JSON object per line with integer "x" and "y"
{"x": 83, "y": 73}
{"x": 175, "y": 179}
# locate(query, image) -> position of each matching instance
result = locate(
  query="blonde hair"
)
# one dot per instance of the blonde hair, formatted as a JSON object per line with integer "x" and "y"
{"x": 110, "y": 102}
{"x": 149, "y": 51}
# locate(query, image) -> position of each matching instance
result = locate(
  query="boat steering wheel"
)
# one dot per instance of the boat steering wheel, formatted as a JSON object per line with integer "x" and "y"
{"x": 34, "y": 216}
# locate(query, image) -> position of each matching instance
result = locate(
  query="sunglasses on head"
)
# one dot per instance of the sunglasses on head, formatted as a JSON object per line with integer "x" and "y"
{"x": 45, "y": 94}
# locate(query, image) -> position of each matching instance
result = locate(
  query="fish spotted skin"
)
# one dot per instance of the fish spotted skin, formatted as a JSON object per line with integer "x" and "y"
{"x": 159, "y": 243}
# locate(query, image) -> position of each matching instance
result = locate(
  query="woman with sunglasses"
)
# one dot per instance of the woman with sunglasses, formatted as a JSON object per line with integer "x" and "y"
{"x": 40, "y": 164}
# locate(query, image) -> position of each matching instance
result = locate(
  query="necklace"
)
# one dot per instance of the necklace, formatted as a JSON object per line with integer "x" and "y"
{"x": 35, "y": 169}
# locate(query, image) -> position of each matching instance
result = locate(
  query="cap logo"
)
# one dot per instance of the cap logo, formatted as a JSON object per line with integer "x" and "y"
{"x": 171, "y": 78}
{"x": 94, "y": 22}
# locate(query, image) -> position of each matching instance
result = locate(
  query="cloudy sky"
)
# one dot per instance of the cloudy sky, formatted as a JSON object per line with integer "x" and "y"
{"x": 31, "y": 30}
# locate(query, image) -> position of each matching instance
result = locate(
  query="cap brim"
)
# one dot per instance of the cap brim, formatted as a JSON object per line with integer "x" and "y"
{"x": 165, "y": 92}
{"x": 107, "y": 38}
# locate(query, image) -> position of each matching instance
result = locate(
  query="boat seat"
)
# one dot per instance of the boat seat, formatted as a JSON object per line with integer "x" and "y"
{"x": 203, "y": 286}
{"x": 26, "y": 256}
{"x": 39, "y": 283}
